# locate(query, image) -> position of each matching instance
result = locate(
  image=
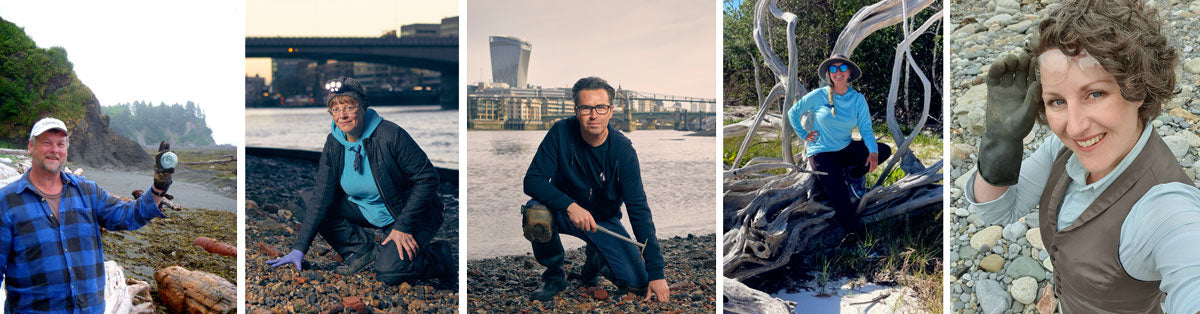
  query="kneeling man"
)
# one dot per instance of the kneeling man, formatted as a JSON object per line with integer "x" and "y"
{"x": 582, "y": 172}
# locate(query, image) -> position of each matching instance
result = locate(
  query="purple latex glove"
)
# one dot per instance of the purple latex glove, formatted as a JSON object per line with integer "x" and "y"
{"x": 295, "y": 257}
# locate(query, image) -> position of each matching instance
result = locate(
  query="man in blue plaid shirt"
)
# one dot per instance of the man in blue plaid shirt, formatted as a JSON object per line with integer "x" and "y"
{"x": 50, "y": 224}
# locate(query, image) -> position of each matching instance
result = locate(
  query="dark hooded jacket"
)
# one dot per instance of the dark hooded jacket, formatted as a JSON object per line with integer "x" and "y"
{"x": 561, "y": 174}
{"x": 406, "y": 179}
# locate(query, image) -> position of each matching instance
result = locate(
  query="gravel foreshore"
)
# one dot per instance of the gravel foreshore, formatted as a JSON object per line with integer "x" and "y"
{"x": 503, "y": 284}
{"x": 1005, "y": 268}
{"x": 271, "y": 223}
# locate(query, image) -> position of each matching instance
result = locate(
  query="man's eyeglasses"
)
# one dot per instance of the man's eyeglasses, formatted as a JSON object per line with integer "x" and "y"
{"x": 836, "y": 68}
{"x": 350, "y": 110}
{"x": 598, "y": 109}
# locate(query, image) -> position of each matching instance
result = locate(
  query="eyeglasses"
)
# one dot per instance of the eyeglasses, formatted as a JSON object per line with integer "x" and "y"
{"x": 350, "y": 110}
{"x": 598, "y": 109}
{"x": 1055, "y": 74}
{"x": 836, "y": 68}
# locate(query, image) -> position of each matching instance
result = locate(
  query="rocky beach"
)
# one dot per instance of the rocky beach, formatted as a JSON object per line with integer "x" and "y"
{"x": 272, "y": 219}
{"x": 502, "y": 284}
{"x": 1005, "y": 268}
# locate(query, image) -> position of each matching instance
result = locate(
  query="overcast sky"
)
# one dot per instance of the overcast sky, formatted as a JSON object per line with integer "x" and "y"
{"x": 157, "y": 51}
{"x": 667, "y": 47}
{"x": 312, "y": 18}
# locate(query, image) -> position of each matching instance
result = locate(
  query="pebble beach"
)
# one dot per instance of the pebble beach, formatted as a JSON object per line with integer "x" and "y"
{"x": 271, "y": 224}
{"x": 503, "y": 284}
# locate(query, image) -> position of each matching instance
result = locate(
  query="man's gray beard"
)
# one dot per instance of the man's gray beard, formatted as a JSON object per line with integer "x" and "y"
{"x": 59, "y": 169}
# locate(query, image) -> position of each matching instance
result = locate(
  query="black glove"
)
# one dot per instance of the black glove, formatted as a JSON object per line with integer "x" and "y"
{"x": 162, "y": 176}
{"x": 1013, "y": 96}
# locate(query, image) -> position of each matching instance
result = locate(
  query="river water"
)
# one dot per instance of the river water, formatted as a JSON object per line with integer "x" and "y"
{"x": 434, "y": 129}
{"x": 677, "y": 173}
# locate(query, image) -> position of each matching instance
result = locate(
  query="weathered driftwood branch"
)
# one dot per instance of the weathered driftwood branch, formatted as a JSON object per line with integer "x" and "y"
{"x": 749, "y": 169}
{"x": 874, "y": 17}
{"x": 215, "y": 247}
{"x": 787, "y": 87}
{"x": 742, "y": 299}
{"x": 909, "y": 162}
{"x": 769, "y": 122}
{"x": 224, "y": 159}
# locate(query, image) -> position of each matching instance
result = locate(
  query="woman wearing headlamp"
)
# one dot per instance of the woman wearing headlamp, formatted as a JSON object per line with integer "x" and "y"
{"x": 372, "y": 175}
{"x": 838, "y": 109}
{"x": 1118, "y": 215}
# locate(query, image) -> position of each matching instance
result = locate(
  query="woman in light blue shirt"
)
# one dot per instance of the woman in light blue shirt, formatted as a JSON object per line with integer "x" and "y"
{"x": 837, "y": 110}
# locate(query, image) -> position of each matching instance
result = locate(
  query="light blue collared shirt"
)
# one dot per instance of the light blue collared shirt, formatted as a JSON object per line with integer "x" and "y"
{"x": 1160, "y": 238}
{"x": 833, "y": 130}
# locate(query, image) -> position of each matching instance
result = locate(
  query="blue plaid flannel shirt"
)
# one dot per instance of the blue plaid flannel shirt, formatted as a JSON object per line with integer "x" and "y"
{"x": 58, "y": 266}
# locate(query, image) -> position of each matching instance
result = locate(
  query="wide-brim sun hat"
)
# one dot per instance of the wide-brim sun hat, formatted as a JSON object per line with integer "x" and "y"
{"x": 823, "y": 70}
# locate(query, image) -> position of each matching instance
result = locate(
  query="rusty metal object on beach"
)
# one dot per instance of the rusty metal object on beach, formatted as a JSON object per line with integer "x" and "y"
{"x": 215, "y": 247}
{"x": 187, "y": 291}
{"x": 267, "y": 249}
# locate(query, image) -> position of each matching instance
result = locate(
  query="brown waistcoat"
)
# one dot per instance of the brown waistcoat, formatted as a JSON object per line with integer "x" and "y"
{"x": 1088, "y": 276}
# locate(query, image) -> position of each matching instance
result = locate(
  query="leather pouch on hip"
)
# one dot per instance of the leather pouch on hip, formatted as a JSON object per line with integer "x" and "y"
{"x": 537, "y": 223}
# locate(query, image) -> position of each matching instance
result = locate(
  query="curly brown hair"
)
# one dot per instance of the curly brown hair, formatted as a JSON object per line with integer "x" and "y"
{"x": 1125, "y": 36}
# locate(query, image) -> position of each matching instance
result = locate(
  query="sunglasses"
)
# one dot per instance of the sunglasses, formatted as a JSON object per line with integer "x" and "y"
{"x": 1057, "y": 64}
{"x": 836, "y": 68}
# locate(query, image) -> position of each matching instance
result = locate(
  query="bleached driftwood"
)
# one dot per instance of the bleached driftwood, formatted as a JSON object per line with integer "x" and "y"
{"x": 742, "y": 299}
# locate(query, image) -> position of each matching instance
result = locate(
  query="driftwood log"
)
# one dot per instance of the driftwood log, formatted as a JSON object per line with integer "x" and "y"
{"x": 142, "y": 301}
{"x": 185, "y": 291}
{"x": 223, "y": 159}
{"x": 216, "y": 247}
{"x": 771, "y": 216}
{"x": 742, "y": 299}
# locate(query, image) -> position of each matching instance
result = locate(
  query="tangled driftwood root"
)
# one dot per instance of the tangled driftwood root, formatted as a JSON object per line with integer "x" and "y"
{"x": 765, "y": 227}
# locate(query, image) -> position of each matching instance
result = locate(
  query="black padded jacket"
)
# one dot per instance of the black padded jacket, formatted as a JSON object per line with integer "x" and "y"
{"x": 406, "y": 179}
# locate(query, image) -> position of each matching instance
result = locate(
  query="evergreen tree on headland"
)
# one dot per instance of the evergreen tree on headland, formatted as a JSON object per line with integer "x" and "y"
{"x": 147, "y": 124}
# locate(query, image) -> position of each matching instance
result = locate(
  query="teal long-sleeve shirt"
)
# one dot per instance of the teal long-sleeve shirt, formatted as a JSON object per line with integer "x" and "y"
{"x": 833, "y": 123}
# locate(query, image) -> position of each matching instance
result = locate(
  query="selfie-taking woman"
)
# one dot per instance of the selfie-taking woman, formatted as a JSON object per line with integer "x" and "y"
{"x": 1118, "y": 216}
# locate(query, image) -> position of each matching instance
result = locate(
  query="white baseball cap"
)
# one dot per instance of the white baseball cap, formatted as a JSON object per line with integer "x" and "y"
{"x": 47, "y": 124}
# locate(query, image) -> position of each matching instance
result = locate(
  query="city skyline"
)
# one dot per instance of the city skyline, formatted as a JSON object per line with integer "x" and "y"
{"x": 322, "y": 18}
{"x": 661, "y": 47}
